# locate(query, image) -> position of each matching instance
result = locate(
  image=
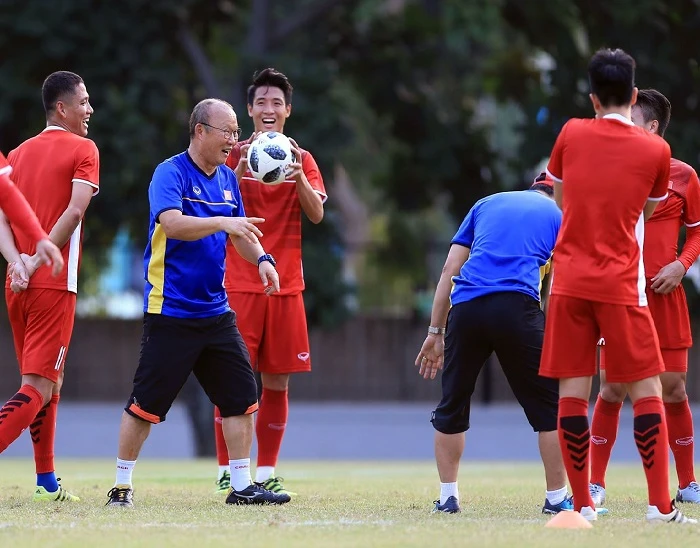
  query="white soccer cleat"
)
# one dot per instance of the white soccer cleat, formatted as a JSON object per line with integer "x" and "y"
{"x": 597, "y": 494}
{"x": 589, "y": 513}
{"x": 675, "y": 516}
{"x": 690, "y": 494}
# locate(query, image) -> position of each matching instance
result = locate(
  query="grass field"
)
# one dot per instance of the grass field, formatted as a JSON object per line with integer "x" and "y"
{"x": 339, "y": 504}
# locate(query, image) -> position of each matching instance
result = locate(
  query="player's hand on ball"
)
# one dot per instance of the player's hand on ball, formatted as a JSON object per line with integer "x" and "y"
{"x": 295, "y": 170}
{"x": 269, "y": 276}
{"x": 47, "y": 253}
{"x": 243, "y": 160}
{"x": 668, "y": 278}
{"x": 431, "y": 356}
{"x": 244, "y": 227}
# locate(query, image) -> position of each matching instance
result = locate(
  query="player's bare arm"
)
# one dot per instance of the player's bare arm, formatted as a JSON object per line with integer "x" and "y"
{"x": 558, "y": 194}
{"x": 7, "y": 240}
{"x": 431, "y": 354}
{"x": 252, "y": 252}
{"x": 649, "y": 208}
{"x": 62, "y": 231}
{"x": 187, "y": 228}
{"x": 310, "y": 200}
{"x": 71, "y": 217}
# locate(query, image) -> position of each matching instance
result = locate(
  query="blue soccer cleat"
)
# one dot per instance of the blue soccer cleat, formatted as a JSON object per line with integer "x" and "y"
{"x": 451, "y": 506}
{"x": 567, "y": 505}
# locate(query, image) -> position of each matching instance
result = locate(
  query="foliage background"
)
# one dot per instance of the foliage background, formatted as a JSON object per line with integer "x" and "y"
{"x": 414, "y": 109}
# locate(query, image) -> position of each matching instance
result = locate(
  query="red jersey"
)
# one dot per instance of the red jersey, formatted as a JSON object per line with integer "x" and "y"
{"x": 280, "y": 207}
{"x": 608, "y": 168}
{"x": 681, "y": 207}
{"x": 44, "y": 168}
{"x": 15, "y": 207}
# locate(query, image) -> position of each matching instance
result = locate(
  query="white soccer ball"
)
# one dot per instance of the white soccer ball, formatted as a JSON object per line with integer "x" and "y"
{"x": 269, "y": 157}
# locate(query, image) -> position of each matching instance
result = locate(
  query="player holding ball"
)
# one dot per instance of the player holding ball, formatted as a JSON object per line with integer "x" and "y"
{"x": 273, "y": 328}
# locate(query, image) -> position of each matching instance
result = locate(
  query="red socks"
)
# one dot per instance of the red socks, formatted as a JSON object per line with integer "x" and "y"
{"x": 651, "y": 437}
{"x": 43, "y": 431}
{"x": 679, "y": 420}
{"x": 270, "y": 425}
{"x": 604, "y": 426}
{"x": 18, "y": 413}
{"x": 574, "y": 439}
{"x": 221, "y": 449}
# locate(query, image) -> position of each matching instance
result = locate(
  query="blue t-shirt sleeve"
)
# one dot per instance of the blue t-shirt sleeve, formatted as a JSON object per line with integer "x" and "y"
{"x": 465, "y": 234}
{"x": 165, "y": 190}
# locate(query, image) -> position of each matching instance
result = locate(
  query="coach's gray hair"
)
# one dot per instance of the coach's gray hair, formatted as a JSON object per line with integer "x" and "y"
{"x": 200, "y": 113}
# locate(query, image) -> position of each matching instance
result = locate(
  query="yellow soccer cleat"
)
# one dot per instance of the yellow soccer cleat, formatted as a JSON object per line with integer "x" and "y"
{"x": 275, "y": 485}
{"x": 60, "y": 495}
{"x": 223, "y": 484}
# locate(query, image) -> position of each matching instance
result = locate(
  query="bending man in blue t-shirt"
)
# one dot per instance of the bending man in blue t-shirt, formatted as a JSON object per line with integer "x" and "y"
{"x": 188, "y": 326}
{"x": 489, "y": 298}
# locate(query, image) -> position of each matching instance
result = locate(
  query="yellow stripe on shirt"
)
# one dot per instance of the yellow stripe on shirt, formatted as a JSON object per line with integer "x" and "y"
{"x": 156, "y": 270}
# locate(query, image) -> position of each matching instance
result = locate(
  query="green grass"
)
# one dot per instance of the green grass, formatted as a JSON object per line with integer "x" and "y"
{"x": 340, "y": 504}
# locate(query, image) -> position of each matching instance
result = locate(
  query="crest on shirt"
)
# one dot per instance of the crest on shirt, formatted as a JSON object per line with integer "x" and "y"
{"x": 197, "y": 190}
{"x": 228, "y": 195}
{"x": 670, "y": 185}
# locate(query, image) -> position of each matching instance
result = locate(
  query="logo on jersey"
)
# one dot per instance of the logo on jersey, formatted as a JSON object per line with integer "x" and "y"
{"x": 227, "y": 195}
{"x": 197, "y": 190}
{"x": 303, "y": 356}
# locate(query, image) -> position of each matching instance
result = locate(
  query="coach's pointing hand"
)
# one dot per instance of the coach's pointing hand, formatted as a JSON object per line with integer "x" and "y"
{"x": 244, "y": 227}
{"x": 431, "y": 355}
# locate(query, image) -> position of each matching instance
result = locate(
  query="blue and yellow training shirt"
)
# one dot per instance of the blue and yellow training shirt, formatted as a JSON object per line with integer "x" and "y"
{"x": 186, "y": 279}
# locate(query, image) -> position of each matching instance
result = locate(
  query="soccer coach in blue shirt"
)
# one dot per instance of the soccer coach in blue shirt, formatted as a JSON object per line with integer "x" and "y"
{"x": 188, "y": 327}
{"x": 488, "y": 296}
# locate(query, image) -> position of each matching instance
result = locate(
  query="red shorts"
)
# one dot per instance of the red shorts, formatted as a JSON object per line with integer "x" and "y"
{"x": 42, "y": 325}
{"x": 573, "y": 328}
{"x": 675, "y": 359}
{"x": 672, "y": 322}
{"x": 671, "y": 317}
{"x": 274, "y": 330}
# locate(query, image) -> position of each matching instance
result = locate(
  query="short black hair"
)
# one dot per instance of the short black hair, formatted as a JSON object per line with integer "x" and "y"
{"x": 56, "y": 86}
{"x": 543, "y": 187}
{"x": 655, "y": 106}
{"x": 273, "y": 78}
{"x": 611, "y": 77}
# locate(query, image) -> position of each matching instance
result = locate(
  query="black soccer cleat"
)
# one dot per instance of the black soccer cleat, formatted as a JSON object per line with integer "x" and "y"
{"x": 255, "y": 493}
{"x": 121, "y": 496}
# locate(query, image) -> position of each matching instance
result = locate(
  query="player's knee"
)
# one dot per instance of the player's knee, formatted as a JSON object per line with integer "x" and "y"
{"x": 42, "y": 385}
{"x": 450, "y": 423}
{"x": 278, "y": 382}
{"x": 613, "y": 392}
{"x": 673, "y": 391}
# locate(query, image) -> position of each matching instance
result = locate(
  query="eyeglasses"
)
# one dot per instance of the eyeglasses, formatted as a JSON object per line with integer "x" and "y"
{"x": 236, "y": 133}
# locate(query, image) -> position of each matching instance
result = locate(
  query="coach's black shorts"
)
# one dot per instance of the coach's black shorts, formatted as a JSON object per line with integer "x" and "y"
{"x": 512, "y": 325}
{"x": 211, "y": 348}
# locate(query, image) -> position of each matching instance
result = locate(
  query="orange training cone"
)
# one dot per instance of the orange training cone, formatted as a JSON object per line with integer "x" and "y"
{"x": 569, "y": 520}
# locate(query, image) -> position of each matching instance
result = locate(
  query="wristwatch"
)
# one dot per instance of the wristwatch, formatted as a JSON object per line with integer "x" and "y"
{"x": 432, "y": 330}
{"x": 267, "y": 257}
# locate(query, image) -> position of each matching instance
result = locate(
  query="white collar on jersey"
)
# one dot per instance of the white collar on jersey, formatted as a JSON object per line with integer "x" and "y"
{"x": 52, "y": 128}
{"x": 619, "y": 118}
